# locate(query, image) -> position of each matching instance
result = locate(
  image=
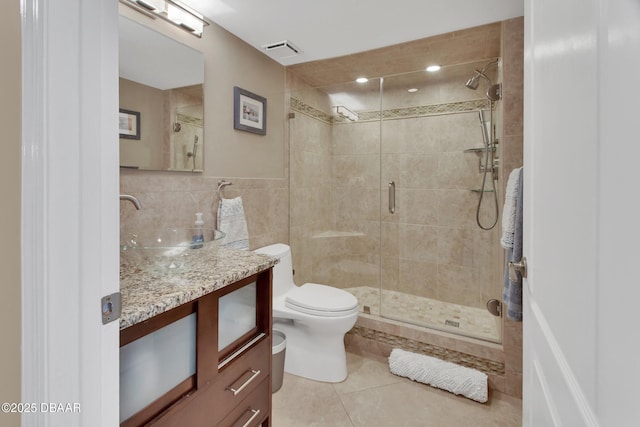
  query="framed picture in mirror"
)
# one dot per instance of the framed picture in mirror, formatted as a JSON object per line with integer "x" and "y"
{"x": 249, "y": 111}
{"x": 129, "y": 123}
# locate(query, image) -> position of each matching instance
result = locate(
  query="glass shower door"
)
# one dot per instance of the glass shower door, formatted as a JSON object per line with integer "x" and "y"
{"x": 438, "y": 268}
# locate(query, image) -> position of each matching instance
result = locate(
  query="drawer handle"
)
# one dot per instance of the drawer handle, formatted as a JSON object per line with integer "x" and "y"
{"x": 255, "y": 413}
{"x": 246, "y": 383}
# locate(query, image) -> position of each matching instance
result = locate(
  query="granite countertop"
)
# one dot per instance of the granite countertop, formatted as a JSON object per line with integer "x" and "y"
{"x": 147, "y": 293}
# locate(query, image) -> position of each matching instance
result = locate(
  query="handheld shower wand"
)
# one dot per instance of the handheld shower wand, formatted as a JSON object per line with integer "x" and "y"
{"x": 194, "y": 151}
{"x": 488, "y": 167}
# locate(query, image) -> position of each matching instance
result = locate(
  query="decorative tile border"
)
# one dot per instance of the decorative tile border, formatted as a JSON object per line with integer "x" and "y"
{"x": 434, "y": 110}
{"x": 310, "y": 111}
{"x": 394, "y": 113}
{"x": 470, "y": 361}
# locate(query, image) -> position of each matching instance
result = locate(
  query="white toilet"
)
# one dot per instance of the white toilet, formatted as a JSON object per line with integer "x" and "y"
{"x": 314, "y": 319}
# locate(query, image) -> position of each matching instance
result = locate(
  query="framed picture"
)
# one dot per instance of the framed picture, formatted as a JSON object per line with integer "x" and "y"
{"x": 129, "y": 123}
{"x": 249, "y": 111}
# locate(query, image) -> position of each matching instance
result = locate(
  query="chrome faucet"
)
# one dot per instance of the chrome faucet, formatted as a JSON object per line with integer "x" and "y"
{"x": 132, "y": 199}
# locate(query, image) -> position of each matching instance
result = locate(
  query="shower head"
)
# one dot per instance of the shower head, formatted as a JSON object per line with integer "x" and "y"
{"x": 494, "y": 90}
{"x": 474, "y": 81}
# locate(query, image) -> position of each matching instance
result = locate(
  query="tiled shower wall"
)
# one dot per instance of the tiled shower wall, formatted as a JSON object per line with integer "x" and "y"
{"x": 432, "y": 246}
{"x": 512, "y": 154}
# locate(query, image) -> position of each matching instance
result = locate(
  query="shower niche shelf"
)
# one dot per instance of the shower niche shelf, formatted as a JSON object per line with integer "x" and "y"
{"x": 480, "y": 150}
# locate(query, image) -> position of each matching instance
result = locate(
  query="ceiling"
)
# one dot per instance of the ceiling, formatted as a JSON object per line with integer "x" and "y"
{"x": 332, "y": 28}
{"x": 449, "y": 50}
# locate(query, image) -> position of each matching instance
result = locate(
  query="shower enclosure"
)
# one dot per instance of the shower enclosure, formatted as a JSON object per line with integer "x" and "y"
{"x": 386, "y": 178}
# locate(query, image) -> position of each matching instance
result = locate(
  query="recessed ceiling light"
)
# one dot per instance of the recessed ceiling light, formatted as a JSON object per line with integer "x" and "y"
{"x": 412, "y": 90}
{"x": 362, "y": 79}
{"x": 433, "y": 68}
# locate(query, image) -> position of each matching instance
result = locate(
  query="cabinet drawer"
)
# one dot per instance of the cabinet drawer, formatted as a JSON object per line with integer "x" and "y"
{"x": 240, "y": 377}
{"x": 252, "y": 410}
{"x": 211, "y": 404}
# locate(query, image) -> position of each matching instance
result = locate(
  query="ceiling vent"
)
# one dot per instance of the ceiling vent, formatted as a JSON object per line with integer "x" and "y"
{"x": 281, "y": 50}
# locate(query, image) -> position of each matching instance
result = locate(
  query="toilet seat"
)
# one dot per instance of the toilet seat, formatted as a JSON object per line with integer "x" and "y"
{"x": 321, "y": 300}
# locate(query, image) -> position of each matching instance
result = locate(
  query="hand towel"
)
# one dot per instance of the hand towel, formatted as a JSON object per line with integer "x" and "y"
{"x": 232, "y": 222}
{"x": 509, "y": 209}
{"x": 512, "y": 293}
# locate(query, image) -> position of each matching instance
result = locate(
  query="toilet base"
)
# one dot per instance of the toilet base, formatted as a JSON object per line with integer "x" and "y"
{"x": 312, "y": 354}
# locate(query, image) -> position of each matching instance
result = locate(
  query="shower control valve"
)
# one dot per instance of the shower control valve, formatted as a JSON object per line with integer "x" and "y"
{"x": 488, "y": 168}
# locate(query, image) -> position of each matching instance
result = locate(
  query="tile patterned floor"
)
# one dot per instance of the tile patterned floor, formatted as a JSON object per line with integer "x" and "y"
{"x": 371, "y": 396}
{"x": 471, "y": 321}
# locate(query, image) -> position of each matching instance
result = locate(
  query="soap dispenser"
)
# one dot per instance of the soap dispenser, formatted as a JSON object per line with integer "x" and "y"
{"x": 198, "y": 236}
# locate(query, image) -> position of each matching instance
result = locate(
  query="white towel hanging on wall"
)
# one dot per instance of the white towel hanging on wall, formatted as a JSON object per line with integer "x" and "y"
{"x": 232, "y": 222}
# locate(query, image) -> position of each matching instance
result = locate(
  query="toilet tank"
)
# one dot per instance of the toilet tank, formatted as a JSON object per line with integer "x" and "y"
{"x": 283, "y": 270}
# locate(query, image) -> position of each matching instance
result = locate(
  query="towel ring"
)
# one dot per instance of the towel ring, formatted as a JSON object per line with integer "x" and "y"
{"x": 221, "y": 184}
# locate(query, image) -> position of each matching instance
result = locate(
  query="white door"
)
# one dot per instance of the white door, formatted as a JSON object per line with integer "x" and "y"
{"x": 581, "y": 213}
{"x": 69, "y": 211}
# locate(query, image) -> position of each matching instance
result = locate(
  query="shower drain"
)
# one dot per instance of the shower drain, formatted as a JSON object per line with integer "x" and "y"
{"x": 452, "y": 323}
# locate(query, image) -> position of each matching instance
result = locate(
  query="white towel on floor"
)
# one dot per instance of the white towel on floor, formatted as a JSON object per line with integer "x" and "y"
{"x": 437, "y": 373}
{"x": 232, "y": 222}
{"x": 509, "y": 209}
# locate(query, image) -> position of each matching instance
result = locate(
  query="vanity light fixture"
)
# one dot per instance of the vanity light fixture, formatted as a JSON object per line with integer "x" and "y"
{"x": 346, "y": 113}
{"x": 433, "y": 68}
{"x": 362, "y": 80}
{"x": 173, "y": 11}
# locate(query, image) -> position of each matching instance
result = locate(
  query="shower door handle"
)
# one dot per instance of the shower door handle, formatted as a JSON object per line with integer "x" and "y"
{"x": 392, "y": 197}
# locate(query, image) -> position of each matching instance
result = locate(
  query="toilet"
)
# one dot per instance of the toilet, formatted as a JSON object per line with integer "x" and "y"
{"x": 314, "y": 319}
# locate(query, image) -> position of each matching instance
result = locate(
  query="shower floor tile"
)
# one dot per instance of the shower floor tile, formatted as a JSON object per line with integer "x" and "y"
{"x": 468, "y": 321}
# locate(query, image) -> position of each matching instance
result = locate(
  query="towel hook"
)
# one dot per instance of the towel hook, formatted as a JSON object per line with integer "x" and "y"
{"x": 221, "y": 184}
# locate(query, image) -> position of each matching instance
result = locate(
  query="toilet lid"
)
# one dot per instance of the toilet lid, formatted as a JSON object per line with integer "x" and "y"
{"x": 321, "y": 300}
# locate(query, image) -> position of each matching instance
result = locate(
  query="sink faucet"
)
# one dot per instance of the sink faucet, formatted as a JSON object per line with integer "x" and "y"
{"x": 132, "y": 199}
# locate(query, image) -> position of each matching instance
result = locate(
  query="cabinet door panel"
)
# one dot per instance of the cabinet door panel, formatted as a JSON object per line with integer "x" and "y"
{"x": 236, "y": 314}
{"x": 155, "y": 364}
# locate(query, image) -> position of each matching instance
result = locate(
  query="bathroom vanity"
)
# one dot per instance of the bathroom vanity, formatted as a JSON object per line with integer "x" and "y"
{"x": 195, "y": 347}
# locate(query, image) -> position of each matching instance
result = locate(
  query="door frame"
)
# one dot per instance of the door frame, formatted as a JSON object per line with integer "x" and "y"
{"x": 70, "y": 218}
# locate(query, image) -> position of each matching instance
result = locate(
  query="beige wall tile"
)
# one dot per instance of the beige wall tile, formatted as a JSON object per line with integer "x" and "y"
{"x": 417, "y": 277}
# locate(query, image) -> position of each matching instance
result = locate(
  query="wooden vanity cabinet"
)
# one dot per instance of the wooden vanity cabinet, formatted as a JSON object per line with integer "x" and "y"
{"x": 232, "y": 381}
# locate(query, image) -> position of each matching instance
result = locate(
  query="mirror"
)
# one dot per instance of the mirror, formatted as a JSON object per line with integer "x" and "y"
{"x": 161, "y": 101}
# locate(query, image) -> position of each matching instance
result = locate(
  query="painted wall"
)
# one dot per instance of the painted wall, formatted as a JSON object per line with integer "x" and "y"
{"x": 10, "y": 119}
{"x": 257, "y": 165}
{"x": 230, "y": 62}
{"x": 148, "y": 151}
